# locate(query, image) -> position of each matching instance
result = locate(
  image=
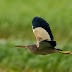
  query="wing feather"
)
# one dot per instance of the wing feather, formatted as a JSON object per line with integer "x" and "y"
{"x": 41, "y": 34}
{"x": 47, "y": 44}
{"x": 41, "y": 29}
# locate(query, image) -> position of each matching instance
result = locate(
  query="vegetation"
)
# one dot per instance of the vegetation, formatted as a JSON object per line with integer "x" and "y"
{"x": 16, "y": 17}
{"x": 20, "y": 60}
{"x": 15, "y": 29}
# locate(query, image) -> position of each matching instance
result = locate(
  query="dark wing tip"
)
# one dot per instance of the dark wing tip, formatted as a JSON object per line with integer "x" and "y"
{"x": 53, "y": 43}
{"x": 40, "y": 22}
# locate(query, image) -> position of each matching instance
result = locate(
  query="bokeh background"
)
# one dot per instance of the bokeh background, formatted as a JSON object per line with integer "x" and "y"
{"x": 16, "y": 29}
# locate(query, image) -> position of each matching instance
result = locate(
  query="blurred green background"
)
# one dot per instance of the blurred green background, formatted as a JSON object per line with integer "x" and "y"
{"x": 16, "y": 29}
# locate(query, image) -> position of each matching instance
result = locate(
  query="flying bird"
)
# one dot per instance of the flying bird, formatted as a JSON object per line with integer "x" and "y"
{"x": 45, "y": 40}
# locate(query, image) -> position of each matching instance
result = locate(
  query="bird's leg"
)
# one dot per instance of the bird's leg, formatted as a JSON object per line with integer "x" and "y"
{"x": 65, "y": 52}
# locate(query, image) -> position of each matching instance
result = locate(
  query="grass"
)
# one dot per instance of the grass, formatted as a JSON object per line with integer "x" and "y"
{"x": 16, "y": 17}
{"x": 20, "y": 60}
{"x": 16, "y": 28}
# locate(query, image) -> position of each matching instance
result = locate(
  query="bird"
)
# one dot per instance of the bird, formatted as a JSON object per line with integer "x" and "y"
{"x": 45, "y": 40}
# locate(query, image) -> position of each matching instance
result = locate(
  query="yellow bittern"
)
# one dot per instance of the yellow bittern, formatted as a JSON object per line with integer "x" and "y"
{"x": 45, "y": 40}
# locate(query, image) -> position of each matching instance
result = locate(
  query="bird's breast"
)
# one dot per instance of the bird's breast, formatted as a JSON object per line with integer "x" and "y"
{"x": 42, "y": 51}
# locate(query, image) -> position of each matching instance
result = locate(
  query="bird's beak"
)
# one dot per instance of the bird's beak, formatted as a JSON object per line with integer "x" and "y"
{"x": 21, "y": 46}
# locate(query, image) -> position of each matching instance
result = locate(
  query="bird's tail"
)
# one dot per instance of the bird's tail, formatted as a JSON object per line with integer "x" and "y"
{"x": 64, "y": 52}
{"x": 22, "y": 46}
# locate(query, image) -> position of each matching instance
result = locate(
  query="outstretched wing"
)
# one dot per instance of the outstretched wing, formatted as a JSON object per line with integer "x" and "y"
{"x": 41, "y": 29}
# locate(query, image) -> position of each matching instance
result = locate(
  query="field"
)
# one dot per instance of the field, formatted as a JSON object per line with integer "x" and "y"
{"x": 16, "y": 29}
